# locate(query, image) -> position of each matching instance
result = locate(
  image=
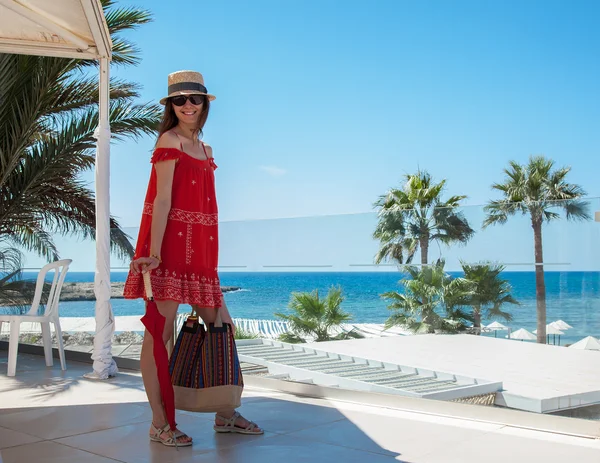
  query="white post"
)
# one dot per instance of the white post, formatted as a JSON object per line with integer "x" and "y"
{"x": 104, "y": 365}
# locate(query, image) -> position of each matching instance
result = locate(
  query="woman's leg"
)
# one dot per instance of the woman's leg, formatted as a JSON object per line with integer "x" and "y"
{"x": 209, "y": 316}
{"x": 167, "y": 309}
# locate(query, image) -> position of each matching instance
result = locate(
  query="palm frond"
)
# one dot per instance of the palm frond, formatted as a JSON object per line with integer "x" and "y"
{"x": 576, "y": 209}
{"x": 48, "y": 115}
{"x": 124, "y": 19}
{"x": 83, "y": 93}
{"x": 15, "y": 293}
{"x": 10, "y": 257}
{"x": 490, "y": 292}
{"x": 124, "y": 52}
{"x": 291, "y": 338}
{"x": 415, "y": 214}
{"x": 32, "y": 237}
{"x": 432, "y": 300}
{"x": 315, "y": 317}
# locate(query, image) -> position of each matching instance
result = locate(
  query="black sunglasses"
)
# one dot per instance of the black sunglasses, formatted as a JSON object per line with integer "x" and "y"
{"x": 194, "y": 99}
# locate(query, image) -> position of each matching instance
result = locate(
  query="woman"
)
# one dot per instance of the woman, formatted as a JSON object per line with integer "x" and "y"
{"x": 178, "y": 239}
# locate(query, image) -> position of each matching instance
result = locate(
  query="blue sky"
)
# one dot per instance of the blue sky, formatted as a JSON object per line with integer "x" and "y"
{"x": 323, "y": 105}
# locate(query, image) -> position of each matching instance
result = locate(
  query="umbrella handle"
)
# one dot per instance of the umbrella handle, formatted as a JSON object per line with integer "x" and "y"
{"x": 148, "y": 285}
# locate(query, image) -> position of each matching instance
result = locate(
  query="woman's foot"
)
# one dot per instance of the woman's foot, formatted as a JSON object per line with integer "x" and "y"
{"x": 165, "y": 436}
{"x": 236, "y": 423}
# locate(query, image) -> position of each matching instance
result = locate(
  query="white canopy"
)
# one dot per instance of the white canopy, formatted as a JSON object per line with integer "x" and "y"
{"x": 75, "y": 29}
{"x": 589, "y": 343}
{"x": 64, "y": 28}
{"x": 561, "y": 325}
{"x": 523, "y": 335}
{"x": 551, "y": 329}
{"x": 496, "y": 326}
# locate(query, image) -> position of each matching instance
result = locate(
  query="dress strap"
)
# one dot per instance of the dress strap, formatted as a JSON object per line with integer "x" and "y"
{"x": 209, "y": 158}
{"x": 179, "y": 138}
{"x": 204, "y": 148}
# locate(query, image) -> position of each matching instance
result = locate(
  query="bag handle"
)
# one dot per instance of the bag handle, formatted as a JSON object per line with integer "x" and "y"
{"x": 218, "y": 321}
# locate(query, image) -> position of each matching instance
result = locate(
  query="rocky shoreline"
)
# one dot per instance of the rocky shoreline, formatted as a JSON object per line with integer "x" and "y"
{"x": 85, "y": 291}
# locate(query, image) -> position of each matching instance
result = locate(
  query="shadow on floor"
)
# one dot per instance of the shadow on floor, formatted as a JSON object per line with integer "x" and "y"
{"x": 296, "y": 429}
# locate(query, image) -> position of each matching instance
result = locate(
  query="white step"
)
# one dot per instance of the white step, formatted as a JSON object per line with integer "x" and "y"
{"x": 304, "y": 364}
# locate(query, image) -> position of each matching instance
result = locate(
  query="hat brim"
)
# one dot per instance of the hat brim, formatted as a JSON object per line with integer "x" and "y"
{"x": 186, "y": 92}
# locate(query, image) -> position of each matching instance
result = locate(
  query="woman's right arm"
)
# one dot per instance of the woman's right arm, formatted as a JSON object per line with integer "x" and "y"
{"x": 161, "y": 206}
{"x": 164, "y": 187}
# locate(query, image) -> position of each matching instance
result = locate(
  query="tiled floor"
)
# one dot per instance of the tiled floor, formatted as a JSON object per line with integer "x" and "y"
{"x": 50, "y": 416}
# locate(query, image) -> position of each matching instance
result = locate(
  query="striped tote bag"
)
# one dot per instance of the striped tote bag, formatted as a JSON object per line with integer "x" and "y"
{"x": 204, "y": 367}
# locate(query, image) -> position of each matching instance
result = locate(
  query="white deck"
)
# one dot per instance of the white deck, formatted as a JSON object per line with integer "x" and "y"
{"x": 47, "y": 415}
{"x": 301, "y": 363}
{"x": 537, "y": 378}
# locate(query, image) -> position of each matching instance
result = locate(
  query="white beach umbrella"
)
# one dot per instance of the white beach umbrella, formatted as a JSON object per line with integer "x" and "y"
{"x": 561, "y": 325}
{"x": 496, "y": 326}
{"x": 552, "y": 330}
{"x": 523, "y": 335}
{"x": 589, "y": 343}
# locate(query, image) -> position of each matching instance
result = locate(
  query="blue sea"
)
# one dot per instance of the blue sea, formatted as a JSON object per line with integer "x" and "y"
{"x": 571, "y": 296}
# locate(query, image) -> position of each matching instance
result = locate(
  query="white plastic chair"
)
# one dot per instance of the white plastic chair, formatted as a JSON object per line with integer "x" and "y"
{"x": 50, "y": 315}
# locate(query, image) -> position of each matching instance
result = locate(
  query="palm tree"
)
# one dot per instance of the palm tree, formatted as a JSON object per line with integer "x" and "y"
{"x": 15, "y": 292}
{"x": 489, "y": 293}
{"x": 414, "y": 216}
{"x": 242, "y": 334}
{"x": 431, "y": 301}
{"x": 48, "y": 115}
{"x": 538, "y": 191}
{"x": 315, "y": 317}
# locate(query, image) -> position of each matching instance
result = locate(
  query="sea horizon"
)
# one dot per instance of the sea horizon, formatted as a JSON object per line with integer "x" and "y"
{"x": 572, "y": 296}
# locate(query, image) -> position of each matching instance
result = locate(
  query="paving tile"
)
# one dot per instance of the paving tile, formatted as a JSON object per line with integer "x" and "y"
{"x": 282, "y": 416}
{"x": 55, "y": 422}
{"x": 497, "y": 447}
{"x": 116, "y": 443}
{"x": 391, "y": 433}
{"x": 49, "y": 452}
{"x": 291, "y": 449}
{"x": 10, "y": 438}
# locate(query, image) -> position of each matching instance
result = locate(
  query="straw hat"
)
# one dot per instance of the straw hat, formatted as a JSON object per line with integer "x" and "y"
{"x": 186, "y": 83}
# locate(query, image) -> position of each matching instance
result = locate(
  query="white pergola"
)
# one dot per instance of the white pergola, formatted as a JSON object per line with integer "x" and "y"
{"x": 75, "y": 29}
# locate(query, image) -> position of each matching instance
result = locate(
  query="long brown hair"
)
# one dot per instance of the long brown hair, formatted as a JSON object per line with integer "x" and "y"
{"x": 169, "y": 119}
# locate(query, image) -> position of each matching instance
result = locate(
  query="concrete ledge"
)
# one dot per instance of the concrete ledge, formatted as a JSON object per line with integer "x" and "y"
{"x": 502, "y": 416}
{"x": 75, "y": 356}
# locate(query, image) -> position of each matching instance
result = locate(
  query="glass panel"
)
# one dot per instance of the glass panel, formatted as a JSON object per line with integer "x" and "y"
{"x": 264, "y": 262}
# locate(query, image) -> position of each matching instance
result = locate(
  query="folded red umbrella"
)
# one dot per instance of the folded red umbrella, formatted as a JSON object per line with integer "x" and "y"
{"x": 155, "y": 324}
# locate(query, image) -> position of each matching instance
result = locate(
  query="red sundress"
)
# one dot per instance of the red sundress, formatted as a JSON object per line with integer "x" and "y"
{"x": 190, "y": 246}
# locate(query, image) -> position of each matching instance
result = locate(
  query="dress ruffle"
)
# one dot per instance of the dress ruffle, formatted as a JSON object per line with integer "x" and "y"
{"x": 164, "y": 154}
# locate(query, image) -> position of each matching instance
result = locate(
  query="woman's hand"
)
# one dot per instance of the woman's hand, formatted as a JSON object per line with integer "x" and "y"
{"x": 226, "y": 318}
{"x": 144, "y": 264}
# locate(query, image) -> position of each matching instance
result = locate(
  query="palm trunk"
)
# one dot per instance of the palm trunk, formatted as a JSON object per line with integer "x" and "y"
{"x": 424, "y": 245}
{"x": 477, "y": 320}
{"x": 540, "y": 284}
{"x": 428, "y": 320}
